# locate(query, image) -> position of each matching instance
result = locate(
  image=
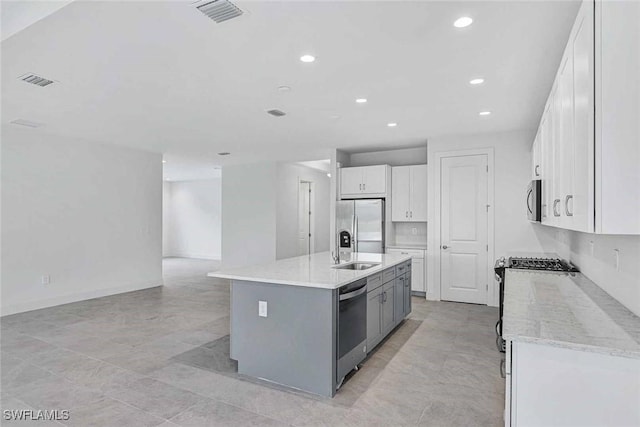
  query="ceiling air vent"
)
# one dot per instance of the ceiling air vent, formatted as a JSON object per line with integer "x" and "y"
{"x": 27, "y": 123}
{"x": 220, "y": 10}
{"x": 276, "y": 113}
{"x": 35, "y": 80}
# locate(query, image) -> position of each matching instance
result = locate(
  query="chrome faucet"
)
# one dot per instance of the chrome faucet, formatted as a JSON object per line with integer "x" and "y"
{"x": 336, "y": 253}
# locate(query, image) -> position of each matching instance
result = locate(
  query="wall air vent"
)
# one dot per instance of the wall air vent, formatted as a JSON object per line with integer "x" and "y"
{"x": 35, "y": 80}
{"x": 27, "y": 123}
{"x": 276, "y": 113}
{"x": 220, "y": 10}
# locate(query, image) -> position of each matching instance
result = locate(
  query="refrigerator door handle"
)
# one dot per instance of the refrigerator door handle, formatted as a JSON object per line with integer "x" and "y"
{"x": 355, "y": 233}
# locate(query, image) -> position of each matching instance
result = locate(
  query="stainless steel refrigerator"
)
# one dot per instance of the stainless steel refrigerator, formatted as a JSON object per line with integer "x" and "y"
{"x": 360, "y": 225}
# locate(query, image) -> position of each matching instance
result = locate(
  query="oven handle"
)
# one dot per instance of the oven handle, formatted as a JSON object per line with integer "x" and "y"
{"x": 353, "y": 294}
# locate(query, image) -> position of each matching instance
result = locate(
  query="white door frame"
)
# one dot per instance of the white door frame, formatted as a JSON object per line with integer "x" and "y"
{"x": 312, "y": 208}
{"x": 433, "y": 225}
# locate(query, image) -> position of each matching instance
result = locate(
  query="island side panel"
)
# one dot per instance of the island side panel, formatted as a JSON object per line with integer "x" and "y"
{"x": 295, "y": 344}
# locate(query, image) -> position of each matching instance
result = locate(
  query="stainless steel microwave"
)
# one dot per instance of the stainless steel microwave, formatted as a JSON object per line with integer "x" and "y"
{"x": 534, "y": 200}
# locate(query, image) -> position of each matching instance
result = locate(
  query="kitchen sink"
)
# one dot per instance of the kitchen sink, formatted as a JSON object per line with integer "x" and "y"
{"x": 356, "y": 266}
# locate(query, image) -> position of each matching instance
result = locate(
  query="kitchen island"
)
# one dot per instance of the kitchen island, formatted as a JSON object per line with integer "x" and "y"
{"x": 289, "y": 325}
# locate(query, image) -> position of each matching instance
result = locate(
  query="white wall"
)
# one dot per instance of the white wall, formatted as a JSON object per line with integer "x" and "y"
{"x": 248, "y": 214}
{"x": 289, "y": 175}
{"x": 597, "y": 261}
{"x": 399, "y": 157}
{"x": 512, "y": 172}
{"x": 192, "y": 219}
{"x": 85, "y": 214}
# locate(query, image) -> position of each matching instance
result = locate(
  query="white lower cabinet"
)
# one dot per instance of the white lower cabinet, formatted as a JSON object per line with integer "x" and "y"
{"x": 418, "y": 266}
{"x": 555, "y": 386}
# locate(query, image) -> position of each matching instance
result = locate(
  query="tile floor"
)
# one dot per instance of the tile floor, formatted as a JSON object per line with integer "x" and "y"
{"x": 120, "y": 361}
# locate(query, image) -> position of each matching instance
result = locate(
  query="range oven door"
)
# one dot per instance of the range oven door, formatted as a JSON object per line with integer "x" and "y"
{"x": 352, "y": 327}
{"x": 499, "y": 270}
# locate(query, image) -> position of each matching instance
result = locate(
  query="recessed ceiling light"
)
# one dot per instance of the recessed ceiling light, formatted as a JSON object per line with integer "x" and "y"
{"x": 224, "y": 153}
{"x": 307, "y": 58}
{"x": 462, "y": 22}
{"x": 476, "y": 81}
{"x": 485, "y": 113}
{"x": 392, "y": 125}
{"x": 284, "y": 88}
{"x": 361, "y": 100}
{"x": 164, "y": 161}
{"x": 329, "y": 175}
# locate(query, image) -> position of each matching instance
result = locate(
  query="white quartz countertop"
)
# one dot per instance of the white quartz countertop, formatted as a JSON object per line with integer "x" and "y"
{"x": 567, "y": 311}
{"x": 316, "y": 270}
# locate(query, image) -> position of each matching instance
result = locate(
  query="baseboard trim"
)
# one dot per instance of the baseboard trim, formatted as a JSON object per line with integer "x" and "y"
{"x": 75, "y": 297}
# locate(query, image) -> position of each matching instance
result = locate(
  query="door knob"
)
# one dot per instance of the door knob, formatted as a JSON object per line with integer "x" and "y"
{"x": 445, "y": 247}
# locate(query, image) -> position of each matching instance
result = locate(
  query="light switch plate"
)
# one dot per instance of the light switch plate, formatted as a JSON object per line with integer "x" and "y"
{"x": 45, "y": 280}
{"x": 262, "y": 308}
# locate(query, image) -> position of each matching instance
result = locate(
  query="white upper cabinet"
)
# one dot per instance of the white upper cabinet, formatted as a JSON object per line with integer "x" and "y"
{"x": 409, "y": 193}
{"x": 587, "y": 148}
{"x": 350, "y": 180}
{"x": 536, "y": 157}
{"x": 617, "y": 138}
{"x": 364, "y": 181}
{"x": 400, "y": 189}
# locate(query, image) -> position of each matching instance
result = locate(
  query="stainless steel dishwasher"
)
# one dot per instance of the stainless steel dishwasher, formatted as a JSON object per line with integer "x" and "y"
{"x": 352, "y": 327}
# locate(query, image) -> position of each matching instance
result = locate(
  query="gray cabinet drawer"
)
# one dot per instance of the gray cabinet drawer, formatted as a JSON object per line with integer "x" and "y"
{"x": 388, "y": 274}
{"x": 401, "y": 269}
{"x": 374, "y": 281}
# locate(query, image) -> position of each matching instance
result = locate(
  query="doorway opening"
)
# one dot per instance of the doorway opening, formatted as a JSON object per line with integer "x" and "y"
{"x": 305, "y": 221}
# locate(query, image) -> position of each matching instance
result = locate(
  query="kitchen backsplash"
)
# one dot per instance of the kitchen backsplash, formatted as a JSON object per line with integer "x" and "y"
{"x": 612, "y": 262}
{"x": 410, "y": 233}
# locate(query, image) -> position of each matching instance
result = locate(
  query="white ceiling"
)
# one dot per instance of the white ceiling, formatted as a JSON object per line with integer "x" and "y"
{"x": 161, "y": 76}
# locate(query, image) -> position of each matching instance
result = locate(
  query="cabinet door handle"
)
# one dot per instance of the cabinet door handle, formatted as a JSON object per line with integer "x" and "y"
{"x": 566, "y": 204}
{"x": 544, "y": 210}
{"x": 445, "y": 247}
{"x": 406, "y": 214}
{"x": 537, "y": 167}
{"x": 410, "y": 214}
{"x": 364, "y": 186}
{"x": 555, "y": 206}
{"x": 503, "y": 371}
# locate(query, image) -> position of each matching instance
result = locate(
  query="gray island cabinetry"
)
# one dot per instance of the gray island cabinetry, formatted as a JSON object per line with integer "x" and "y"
{"x": 285, "y": 316}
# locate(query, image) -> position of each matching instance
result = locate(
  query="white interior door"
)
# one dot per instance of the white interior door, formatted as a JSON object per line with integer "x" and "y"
{"x": 463, "y": 229}
{"x": 304, "y": 218}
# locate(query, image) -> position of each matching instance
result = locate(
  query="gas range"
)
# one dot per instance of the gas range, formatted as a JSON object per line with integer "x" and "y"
{"x": 533, "y": 263}
{"x": 537, "y": 263}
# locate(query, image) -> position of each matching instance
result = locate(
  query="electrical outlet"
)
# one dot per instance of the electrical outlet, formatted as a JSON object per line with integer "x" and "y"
{"x": 616, "y": 254}
{"x": 414, "y": 231}
{"x": 45, "y": 280}
{"x": 262, "y": 308}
